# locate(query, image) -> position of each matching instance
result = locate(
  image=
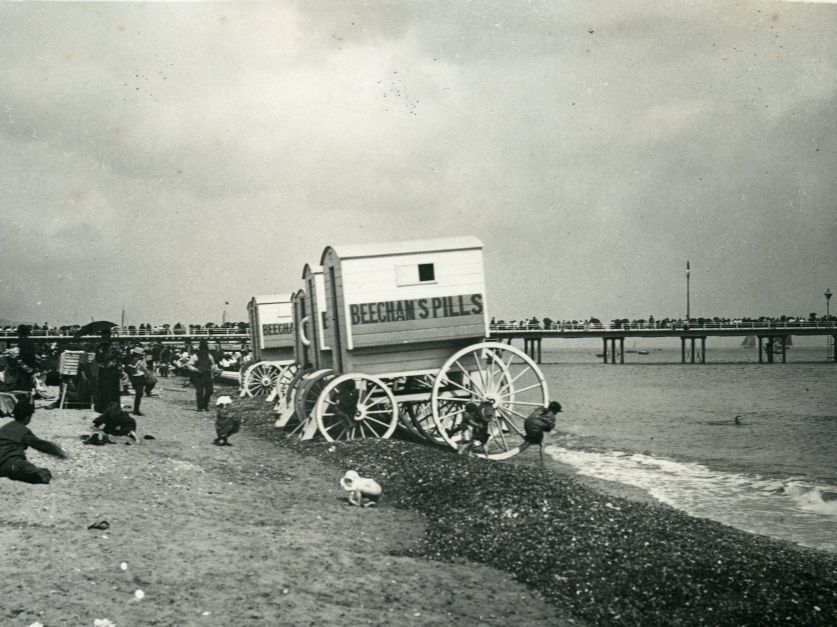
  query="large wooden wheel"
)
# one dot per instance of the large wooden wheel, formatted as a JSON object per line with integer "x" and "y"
{"x": 491, "y": 372}
{"x": 283, "y": 381}
{"x": 412, "y": 393}
{"x": 356, "y": 406}
{"x": 305, "y": 399}
{"x": 284, "y": 407}
{"x": 260, "y": 378}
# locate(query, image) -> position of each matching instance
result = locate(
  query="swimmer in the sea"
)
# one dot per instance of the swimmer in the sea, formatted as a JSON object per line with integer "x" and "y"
{"x": 738, "y": 419}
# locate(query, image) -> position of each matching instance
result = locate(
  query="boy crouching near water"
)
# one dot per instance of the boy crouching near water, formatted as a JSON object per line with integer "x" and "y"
{"x": 540, "y": 421}
{"x": 15, "y": 437}
{"x": 477, "y": 419}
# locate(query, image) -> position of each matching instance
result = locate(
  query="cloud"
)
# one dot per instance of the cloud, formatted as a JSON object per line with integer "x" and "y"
{"x": 180, "y": 155}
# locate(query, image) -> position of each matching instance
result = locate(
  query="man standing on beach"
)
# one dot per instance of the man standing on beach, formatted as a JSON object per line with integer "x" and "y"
{"x": 540, "y": 421}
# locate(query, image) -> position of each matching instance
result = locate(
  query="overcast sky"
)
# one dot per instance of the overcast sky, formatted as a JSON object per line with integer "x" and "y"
{"x": 171, "y": 157}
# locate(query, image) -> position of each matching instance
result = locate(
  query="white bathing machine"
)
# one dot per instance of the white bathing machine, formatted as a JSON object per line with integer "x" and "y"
{"x": 272, "y": 338}
{"x": 294, "y": 406}
{"x": 317, "y": 317}
{"x": 406, "y": 324}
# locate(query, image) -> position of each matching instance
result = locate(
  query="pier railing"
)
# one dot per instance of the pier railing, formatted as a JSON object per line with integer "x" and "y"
{"x": 680, "y": 325}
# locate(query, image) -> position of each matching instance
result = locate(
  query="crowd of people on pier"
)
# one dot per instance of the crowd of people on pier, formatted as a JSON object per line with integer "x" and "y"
{"x": 549, "y": 324}
{"x": 46, "y": 329}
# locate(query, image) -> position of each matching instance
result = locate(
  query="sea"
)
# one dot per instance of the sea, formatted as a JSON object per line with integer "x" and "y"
{"x": 669, "y": 429}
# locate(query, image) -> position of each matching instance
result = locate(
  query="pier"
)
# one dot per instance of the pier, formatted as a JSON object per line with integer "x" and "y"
{"x": 772, "y": 337}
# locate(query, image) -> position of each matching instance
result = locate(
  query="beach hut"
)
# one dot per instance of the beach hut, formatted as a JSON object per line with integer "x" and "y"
{"x": 317, "y": 316}
{"x": 272, "y": 338}
{"x": 403, "y": 305}
{"x": 406, "y": 324}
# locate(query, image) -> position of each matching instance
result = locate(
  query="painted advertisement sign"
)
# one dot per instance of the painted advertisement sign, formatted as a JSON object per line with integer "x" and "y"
{"x": 417, "y": 309}
{"x": 281, "y": 328}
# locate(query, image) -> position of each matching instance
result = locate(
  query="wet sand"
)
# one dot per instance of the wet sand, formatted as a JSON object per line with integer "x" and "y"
{"x": 251, "y": 534}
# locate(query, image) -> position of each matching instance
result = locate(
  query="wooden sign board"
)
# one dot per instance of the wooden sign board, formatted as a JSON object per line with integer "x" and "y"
{"x": 417, "y": 320}
{"x": 69, "y": 361}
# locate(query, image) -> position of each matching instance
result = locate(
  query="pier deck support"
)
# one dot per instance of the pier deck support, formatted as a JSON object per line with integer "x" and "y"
{"x": 693, "y": 354}
{"x": 611, "y": 351}
{"x": 766, "y": 351}
{"x": 532, "y": 347}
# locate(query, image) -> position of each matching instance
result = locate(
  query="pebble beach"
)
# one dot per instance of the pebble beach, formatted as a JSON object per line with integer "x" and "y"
{"x": 260, "y": 533}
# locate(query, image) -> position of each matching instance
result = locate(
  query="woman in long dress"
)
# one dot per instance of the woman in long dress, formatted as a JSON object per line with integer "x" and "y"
{"x": 108, "y": 360}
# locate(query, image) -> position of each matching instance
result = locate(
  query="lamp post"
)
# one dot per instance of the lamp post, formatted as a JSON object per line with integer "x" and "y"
{"x": 688, "y": 272}
{"x": 224, "y": 314}
{"x": 827, "y": 301}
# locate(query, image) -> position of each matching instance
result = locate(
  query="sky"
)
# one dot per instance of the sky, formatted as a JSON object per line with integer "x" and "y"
{"x": 170, "y": 158}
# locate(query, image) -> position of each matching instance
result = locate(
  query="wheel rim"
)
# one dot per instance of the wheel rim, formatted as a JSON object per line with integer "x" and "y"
{"x": 356, "y": 406}
{"x": 284, "y": 379}
{"x": 421, "y": 416}
{"x": 307, "y": 393}
{"x": 499, "y": 374}
{"x": 260, "y": 379}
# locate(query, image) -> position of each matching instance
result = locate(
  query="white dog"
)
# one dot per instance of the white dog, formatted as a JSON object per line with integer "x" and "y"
{"x": 363, "y": 492}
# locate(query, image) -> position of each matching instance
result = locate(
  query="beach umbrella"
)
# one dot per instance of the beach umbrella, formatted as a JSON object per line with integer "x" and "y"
{"x": 94, "y": 328}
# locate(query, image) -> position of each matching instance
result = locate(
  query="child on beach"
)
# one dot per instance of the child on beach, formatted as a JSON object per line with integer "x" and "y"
{"x": 116, "y": 421}
{"x": 363, "y": 492}
{"x": 226, "y": 423}
{"x": 15, "y": 437}
{"x": 540, "y": 421}
{"x": 476, "y": 418}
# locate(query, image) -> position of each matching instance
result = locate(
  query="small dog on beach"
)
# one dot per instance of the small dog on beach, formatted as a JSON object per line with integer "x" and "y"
{"x": 363, "y": 492}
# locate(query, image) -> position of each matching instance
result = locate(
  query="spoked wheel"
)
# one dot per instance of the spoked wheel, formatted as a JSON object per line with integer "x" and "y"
{"x": 356, "y": 406}
{"x": 412, "y": 394}
{"x": 284, "y": 407}
{"x": 307, "y": 393}
{"x": 421, "y": 416}
{"x": 283, "y": 381}
{"x": 495, "y": 373}
{"x": 260, "y": 378}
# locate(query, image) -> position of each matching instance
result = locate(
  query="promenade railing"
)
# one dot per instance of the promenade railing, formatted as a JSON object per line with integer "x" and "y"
{"x": 150, "y": 333}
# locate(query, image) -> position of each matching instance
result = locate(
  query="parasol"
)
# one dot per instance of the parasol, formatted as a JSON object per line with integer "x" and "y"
{"x": 94, "y": 328}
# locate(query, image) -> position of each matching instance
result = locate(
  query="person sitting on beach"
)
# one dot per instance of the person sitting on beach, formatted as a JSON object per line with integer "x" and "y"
{"x": 226, "y": 423}
{"x": 116, "y": 421}
{"x": 476, "y": 418}
{"x": 540, "y": 421}
{"x": 363, "y": 492}
{"x": 15, "y": 437}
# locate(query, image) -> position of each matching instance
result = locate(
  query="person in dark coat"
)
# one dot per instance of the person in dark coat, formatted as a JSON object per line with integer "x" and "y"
{"x": 27, "y": 359}
{"x": 15, "y": 438}
{"x": 108, "y": 375}
{"x": 201, "y": 368}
